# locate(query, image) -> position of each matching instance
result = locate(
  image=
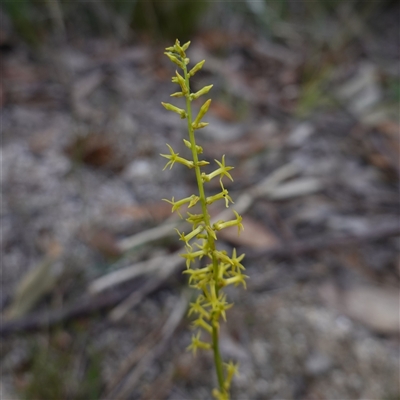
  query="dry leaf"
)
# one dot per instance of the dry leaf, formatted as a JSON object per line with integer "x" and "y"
{"x": 104, "y": 242}
{"x": 375, "y": 307}
{"x": 41, "y": 141}
{"x": 243, "y": 148}
{"x": 223, "y": 111}
{"x": 295, "y": 188}
{"x": 34, "y": 285}
{"x": 156, "y": 212}
{"x": 255, "y": 235}
{"x": 95, "y": 150}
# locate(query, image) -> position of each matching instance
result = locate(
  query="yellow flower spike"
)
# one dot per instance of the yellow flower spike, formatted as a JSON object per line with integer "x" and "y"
{"x": 196, "y": 68}
{"x": 221, "y": 270}
{"x": 171, "y": 107}
{"x": 202, "y": 91}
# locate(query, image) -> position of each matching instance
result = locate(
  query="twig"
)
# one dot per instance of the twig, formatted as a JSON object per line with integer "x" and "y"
{"x": 125, "y": 274}
{"x": 56, "y": 14}
{"x": 161, "y": 387}
{"x": 131, "y": 359}
{"x": 167, "y": 266}
{"x": 296, "y": 248}
{"x": 167, "y": 332}
{"x": 47, "y": 319}
{"x": 150, "y": 235}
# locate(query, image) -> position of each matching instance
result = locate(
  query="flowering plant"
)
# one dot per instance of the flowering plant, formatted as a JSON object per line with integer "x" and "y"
{"x": 220, "y": 269}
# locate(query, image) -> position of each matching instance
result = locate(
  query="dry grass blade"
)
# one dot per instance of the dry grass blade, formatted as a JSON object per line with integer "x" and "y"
{"x": 265, "y": 188}
{"x": 125, "y": 274}
{"x": 148, "y": 236}
{"x": 146, "y": 359}
{"x": 33, "y": 286}
{"x": 161, "y": 386}
{"x": 166, "y": 267}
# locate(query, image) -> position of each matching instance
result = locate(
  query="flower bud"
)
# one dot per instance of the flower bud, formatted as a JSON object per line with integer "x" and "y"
{"x": 199, "y": 125}
{"x": 171, "y": 107}
{"x": 174, "y": 60}
{"x": 202, "y": 112}
{"x": 205, "y": 90}
{"x": 196, "y": 68}
{"x": 185, "y": 46}
{"x": 181, "y": 82}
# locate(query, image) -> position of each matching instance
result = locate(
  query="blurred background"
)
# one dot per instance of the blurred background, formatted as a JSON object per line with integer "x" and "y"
{"x": 305, "y": 106}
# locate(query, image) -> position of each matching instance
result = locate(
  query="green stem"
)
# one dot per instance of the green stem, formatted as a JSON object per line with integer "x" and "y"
{"x": 211, "y": 241}
{"x": 217, "y": 358}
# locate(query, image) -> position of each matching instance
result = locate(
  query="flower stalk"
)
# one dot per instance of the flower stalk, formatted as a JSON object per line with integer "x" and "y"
{"x": 222, "y": 270}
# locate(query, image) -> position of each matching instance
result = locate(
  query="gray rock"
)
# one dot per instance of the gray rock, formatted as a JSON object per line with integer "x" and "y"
{"x": 318, "y": 364}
